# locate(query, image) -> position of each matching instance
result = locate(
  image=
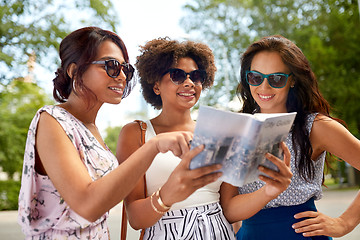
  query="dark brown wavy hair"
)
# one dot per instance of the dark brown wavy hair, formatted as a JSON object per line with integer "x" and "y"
{"x": 158, "y": 55}
{"x": 81, "y": 47}
{"x": 304, "y": 98}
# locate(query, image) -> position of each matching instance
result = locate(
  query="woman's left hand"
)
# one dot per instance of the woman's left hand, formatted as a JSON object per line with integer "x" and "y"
{"x": 277, "y": 181}
{"x": 319, "y": 224}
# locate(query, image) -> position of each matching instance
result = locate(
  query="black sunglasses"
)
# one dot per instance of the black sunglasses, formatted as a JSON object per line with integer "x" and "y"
{"x": 113, "y": 68}
{"x": 178, "y": 76}
{"x": 275, "y": 80}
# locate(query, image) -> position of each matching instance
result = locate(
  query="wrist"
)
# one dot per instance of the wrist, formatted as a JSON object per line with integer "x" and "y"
{"x": 348, "y": 224}
{"x": 152, "y": 144}
{"x": 157, "y": 204}
{"x": 160, "y": 200}
{"x": 267, "y": 197}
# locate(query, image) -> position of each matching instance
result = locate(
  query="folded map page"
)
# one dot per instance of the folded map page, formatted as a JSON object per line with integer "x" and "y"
{"x": 239, "y": 141}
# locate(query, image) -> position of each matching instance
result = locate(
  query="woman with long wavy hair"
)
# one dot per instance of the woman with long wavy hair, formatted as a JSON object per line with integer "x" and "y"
{"x": 276, "y": 77}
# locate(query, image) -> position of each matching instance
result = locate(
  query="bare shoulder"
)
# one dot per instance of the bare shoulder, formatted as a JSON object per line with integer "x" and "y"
{"x": 129, "y": 141}
{"x": 131, "y": 132}
{"x": 322, "y": 117}
{"x": 329, "y": 135}
{"x": 49, "y": 126}
{"x": 55, "y": 150}
{"x": 46, "y": 118}
{"x": 323, "y": 124}
{"x": 132, "y": 127}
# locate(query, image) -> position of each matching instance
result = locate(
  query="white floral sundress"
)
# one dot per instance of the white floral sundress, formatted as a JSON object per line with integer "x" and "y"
{"x": 43, "y": 214}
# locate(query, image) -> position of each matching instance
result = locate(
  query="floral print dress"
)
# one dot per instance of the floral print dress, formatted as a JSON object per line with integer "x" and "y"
{"x": 43, "y": 214}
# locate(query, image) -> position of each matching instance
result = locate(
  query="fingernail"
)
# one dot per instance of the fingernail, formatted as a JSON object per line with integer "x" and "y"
{"x": 200, "y": 147}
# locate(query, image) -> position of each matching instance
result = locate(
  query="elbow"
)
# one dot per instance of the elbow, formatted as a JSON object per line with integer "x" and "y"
{"x": 229, "y": 217}
{"x": 135, "y": 224}
{"x": 139, "y": 223}
{"x": 232, "y": 216}
{"x": 227, "y": 213}
{"x": 135, "y": 227}
{"x": 88, "y": 213}
{"x": 92, "y": 218}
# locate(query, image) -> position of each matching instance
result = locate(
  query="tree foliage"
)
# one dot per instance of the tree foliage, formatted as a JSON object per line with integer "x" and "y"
{"x": 37, "y": 26}
{"x": 27, "y": 28}
{"x": 9, "y": 192}
{"x": 327, "y": 32}
{"x": 223, "y": 26}
{"x": 112, "y": 135}
{"x": 18, "y": 104}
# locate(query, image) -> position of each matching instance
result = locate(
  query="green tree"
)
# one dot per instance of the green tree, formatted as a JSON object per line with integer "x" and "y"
{"x": 37, "y": 26}
{"x": 34, "y": 28}
{"x": 19, "y": 101}
{"x": 221, "y": 25}
{"x": 112, "y": 135}
{"x": 327, "y": 31}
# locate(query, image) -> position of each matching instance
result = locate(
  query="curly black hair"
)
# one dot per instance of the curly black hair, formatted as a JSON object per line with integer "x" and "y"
{"x": 158, "y": 55}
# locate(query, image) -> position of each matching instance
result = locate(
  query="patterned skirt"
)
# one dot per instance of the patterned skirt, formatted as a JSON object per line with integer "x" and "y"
{"x": 275, "y": 224}
{"x": 203, "y": 222}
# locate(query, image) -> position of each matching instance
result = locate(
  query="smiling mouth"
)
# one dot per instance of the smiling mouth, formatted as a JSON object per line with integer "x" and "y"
{"x": 186, "y": 94}
{"x": 265, "y": 97}
{"x": 116, "y": 88}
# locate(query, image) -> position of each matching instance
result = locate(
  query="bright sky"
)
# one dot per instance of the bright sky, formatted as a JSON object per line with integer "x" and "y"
{"x": 141, "y": 21}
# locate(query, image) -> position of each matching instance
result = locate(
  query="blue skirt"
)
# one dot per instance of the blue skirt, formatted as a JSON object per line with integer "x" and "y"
{"x": 275, "y": 223}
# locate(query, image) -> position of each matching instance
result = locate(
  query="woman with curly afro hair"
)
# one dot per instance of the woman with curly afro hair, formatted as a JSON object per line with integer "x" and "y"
{"x": 159, "y": 55}
{"x": 179, "y": 203}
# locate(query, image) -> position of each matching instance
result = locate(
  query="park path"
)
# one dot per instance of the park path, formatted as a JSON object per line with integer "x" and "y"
{"x": 333, "y": 204}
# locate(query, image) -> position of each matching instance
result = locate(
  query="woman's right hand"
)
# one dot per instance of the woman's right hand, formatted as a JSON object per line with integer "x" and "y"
{"x": 277, "y": 181}
{"x": 176, "y": 142}
{"x": 183, "y": 181}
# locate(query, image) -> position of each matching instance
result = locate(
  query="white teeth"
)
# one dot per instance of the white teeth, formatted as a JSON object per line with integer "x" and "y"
{"x": 115, "y": 88}
{"x": 186, "y": 94}
{"x": 265, "y": 97}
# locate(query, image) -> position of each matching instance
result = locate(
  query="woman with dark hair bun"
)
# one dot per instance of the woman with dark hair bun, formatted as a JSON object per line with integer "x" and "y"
{"x": 291, "y": 86}
{"x": 70, "y": 178}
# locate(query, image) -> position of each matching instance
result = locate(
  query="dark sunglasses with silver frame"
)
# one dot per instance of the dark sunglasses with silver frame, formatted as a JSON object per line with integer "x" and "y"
{"x": 178, "y": 76}
{"x": 113, "y": 68}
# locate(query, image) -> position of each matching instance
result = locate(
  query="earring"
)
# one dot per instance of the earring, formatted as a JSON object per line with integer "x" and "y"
{"x": 73, "y": 86}
{"x": 292, "y": 86}
{"x": 157, "y": 92}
